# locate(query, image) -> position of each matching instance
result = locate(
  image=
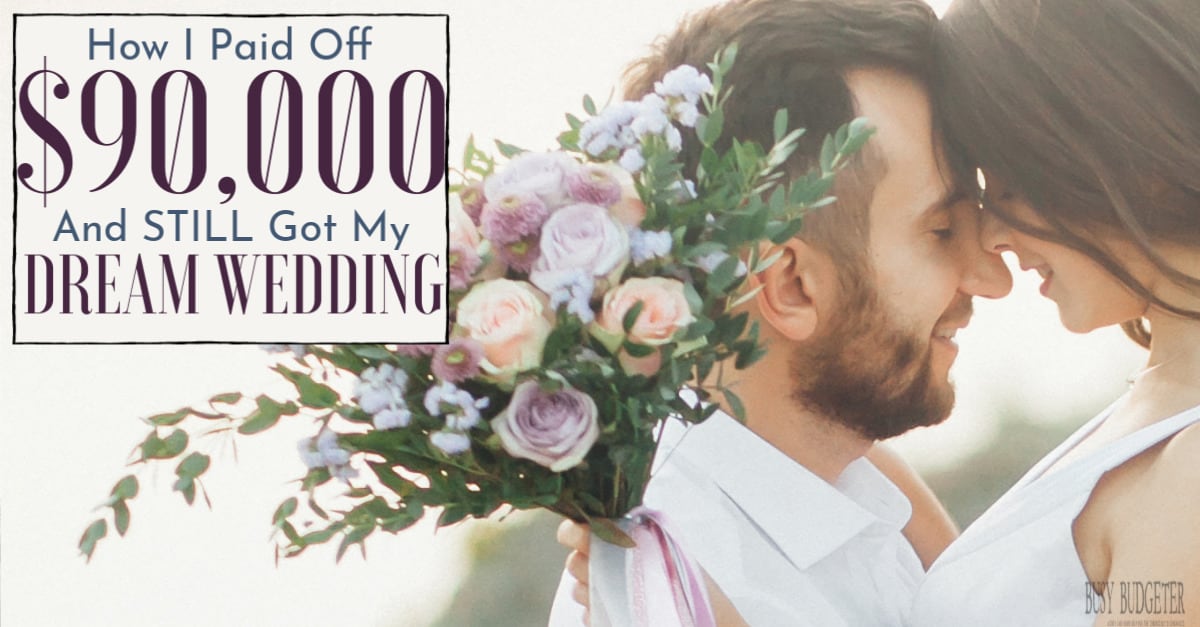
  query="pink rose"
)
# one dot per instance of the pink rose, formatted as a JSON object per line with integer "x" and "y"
{"x": 664, "y": 312}
{"x": 628, "y": 209}
{"x": 554, "y": 429}
{"x": 462, "y": 228}
{"x": 508, "y": 319}
{"x": 580, "y": 237}
{"x": 542, "y": 174}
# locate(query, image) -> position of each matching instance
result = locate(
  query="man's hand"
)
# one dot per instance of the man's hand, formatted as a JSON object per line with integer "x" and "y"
{"x": 577, "y": 537}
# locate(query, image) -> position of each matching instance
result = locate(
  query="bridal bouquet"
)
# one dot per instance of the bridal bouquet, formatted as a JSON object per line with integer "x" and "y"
{"x": 587, "y": 286}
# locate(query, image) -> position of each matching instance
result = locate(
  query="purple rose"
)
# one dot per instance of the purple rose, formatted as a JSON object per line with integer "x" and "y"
{"x": 580, "y": 237}
{"x": 554, "y": 429}
{"x": 542, "y": 174}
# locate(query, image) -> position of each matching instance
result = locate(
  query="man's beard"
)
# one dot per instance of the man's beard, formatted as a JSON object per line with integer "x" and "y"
{"x": 866, "y": 372}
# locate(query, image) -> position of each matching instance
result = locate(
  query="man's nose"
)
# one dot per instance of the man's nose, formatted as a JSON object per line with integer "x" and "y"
{"x": 984, "y": 271}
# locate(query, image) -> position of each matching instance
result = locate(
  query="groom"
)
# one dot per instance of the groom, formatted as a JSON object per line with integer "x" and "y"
{"x": 787, "y": 513}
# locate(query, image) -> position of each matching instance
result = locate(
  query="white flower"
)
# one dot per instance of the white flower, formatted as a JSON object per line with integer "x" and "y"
{"x": 450, "y": 442}
{"x": 392, "y": 419}
{"x": 684, "y": 82}
{"x": 632, "y": 159}
{"x": 646, "y": 245}
{"x": 709, "y": 262}
{"x": 381, "y": 387}
{"x": 686, "y": 113}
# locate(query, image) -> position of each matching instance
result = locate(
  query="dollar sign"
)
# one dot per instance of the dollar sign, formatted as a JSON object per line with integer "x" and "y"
{"x": 52, "y": 138}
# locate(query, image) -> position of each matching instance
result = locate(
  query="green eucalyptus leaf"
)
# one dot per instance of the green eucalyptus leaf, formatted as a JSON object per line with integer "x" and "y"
{"x": 264, "y": 417}
{"x": 781, "y": 120}
{"x": 193, "y": 465}
{"x": 227, "y": 398}
{"x": 126, "y": 488}
{"x": 167, "y": 420}
{"x": 93, "y": 534}
{"x": 284, "y": 511}
{"x": 121, "y": 517}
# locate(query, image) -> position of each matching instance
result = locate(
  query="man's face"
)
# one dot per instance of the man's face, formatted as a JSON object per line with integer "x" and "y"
{"x": 880, "y": 364}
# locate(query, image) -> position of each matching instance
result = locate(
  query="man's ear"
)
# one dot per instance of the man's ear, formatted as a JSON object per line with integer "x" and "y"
{"x": 798, "y": 285}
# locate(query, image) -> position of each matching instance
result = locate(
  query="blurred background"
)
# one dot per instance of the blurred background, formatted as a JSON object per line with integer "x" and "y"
{"x": 70, "y": 413}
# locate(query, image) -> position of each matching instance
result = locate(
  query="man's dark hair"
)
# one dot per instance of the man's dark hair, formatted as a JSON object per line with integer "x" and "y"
{"x": 794, "y": 54}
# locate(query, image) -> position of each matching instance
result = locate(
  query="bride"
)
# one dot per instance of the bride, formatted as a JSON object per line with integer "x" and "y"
{"x": 1084, "y": 116}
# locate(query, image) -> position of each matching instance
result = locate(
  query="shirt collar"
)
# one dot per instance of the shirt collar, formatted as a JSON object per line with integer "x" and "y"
{"x": 802, "y": 514}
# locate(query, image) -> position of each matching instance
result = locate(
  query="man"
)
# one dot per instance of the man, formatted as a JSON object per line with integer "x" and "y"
{"x": 785, "y": 513}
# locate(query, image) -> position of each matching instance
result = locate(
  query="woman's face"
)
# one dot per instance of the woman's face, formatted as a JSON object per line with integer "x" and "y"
{"x": 1087, "y": 295}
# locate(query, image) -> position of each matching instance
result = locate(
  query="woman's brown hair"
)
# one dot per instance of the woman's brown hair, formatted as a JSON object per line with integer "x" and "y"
{"x": 1091, "y": 110}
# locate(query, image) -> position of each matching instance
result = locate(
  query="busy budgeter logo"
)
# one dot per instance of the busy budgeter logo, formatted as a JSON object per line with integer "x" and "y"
{"x": 230, "y": 178}
{"x": 1138, "y": 603}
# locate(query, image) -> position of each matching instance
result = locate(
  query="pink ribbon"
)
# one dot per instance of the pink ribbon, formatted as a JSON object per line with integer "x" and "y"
{"x": 654, "y": 584}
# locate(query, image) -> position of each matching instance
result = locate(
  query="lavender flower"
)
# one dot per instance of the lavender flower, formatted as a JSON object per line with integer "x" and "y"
{"x": 594, "y": 184}
{"x": 473, "y": 199}
{"x": 416, "y": 350}
{"x": 392, "y": 419}
{"x": 464, "y": 263}
{"x": 450, "y": 442}
{"x": 520, "y": 255}
{"x": 513, "y": 217}
{"x": 457, "y": 361}
{"x": 324, "y": 451}
{"x": 381, "y": 387}
{"x": 460, "y": 408}
{"x": 647, "y": 245}
{"x": 573, "y": 289}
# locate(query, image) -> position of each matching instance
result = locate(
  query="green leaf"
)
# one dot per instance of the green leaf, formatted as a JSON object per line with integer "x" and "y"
{"x": 154, "y": 447}
{"x": 607, "y": 530}
{"x": 713, "y": 126}
{"x": 394, "y": 482}
{"x": 121, "y": 517}
{"x": 126, "y": 488}
{"x": 187, "y": 487}
{"x": 167, "y": 420}
{"x": 452, "y": 514}
{"x": 193, "y": 465}
{"x": 263, "y": 418}
{"x": 175, "y": 443}
{"x": 509, "y": 150}
{"x": 637, "y": 350}
{"x": 630, "y": 318}
{"x": 859, "y": 133}
{"x": 93, "y": 534}
{"x": 589, "y": 105}
{"x": 828, "y": 152}
{"x": 373, "y": 352}
{"x": 781, "y": 119}
{"x": 722, "y": 276}
{"x": 698, "y": 329}
{"x": 312, "y": 394}
{"x": 284, "y": 511}
{"x": 735, "y": 404}
{"x": 227, "y": 398}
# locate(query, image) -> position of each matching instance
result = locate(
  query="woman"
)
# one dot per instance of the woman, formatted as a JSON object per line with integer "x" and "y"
{"x": 1084, "y": 116}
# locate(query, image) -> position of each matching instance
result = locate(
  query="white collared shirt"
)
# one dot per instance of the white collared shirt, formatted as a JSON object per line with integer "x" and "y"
{"x": 785, "y": 546}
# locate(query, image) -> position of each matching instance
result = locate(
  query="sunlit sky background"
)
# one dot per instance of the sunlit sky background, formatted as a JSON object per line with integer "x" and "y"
{"x": 69, "y": 414}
